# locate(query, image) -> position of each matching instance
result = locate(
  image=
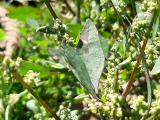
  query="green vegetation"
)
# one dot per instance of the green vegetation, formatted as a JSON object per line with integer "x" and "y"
{"x": 80, "y": 60}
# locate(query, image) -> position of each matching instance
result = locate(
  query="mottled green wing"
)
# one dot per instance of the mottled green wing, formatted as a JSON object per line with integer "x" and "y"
{"x": 79, "y": 69}
{"x": 92, "y": 53}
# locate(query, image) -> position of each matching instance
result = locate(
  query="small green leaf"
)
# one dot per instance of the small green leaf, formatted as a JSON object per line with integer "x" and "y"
{"x": 80, "y": 97}
{"x": 74, "y": 29}
{"x": 57, "y": 65}
{"x": 156, "y": 68}
{"x": 26, "y": 66}
{"x": 156, "y": 26}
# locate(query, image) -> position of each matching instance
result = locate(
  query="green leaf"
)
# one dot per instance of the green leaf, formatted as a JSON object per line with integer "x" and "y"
{"x": 92, "y": 53}
{"x": 156, "y": 68}
{"x": 57, "y": 65}
{"x": 22, "y": 13}
{"x": 79, "y": 69}
{"x": 74, "y": 29}
{"x": 156, "y": 26}
{"x": 26, "y": 66}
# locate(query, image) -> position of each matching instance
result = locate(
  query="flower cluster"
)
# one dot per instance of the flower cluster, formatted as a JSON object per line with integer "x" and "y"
{"x": 151, "y": 54}
{"x": 111, "y": 107}
{"x": 8, "y": 66}
{"x": 68, "y": 114}
{"x": 32, "y": 78}
{"x": 42, "y": 115}
{"x": 148, "y": 5}
{"x": 156, "y": 104}
{"x": 142, "y": 21}
{"x": 59, "y": 30}
{"x": 94, "y": 11}
{"x": 139, "y": 105}
{"x": 121, "y": 6}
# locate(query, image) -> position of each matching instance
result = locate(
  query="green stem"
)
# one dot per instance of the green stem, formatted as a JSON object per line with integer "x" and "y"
{"x": 1, "y": 56}
{"x": 116, "y": 80}
{"x": 98, "y": 3}
{"x": 134, "y": 8}
{"x": 69, "y": 7}
{"x": 78, "y": 11}
{"x": 50, "y": 9}
{"x": 118, "y": 14}
{"x": 7, "y": 112}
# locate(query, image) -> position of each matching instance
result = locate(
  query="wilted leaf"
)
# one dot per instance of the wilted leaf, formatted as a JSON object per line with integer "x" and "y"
{"x": 79, "y": 69}
{"x": 26, "y": 66}
{"x": 156, "y": 68}
{"x": 92, "y": 53}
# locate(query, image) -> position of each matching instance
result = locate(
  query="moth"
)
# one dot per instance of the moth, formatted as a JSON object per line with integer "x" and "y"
{"x": 86, "y": 62}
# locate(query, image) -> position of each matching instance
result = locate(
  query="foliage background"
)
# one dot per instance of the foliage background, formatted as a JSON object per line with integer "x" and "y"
{"x": 119, "y": 22}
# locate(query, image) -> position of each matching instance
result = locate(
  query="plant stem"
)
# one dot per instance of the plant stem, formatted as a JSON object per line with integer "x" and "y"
{"x": 98, "y": 3}
{"x": 134, "y": 8}
{"x": 132, "y": 77}
{"x": 1, "y": 56}
{"x": 118, "y": 14}
{"x": 69, "y": 7}
{"x": 43, "y": 103}
{"x": 78, "y": 11}
{"x": 7, "y": 111}
{"x": 116, "y": 80}
{"x": 149, "y": 89}
{"x": 50, "y": 9}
